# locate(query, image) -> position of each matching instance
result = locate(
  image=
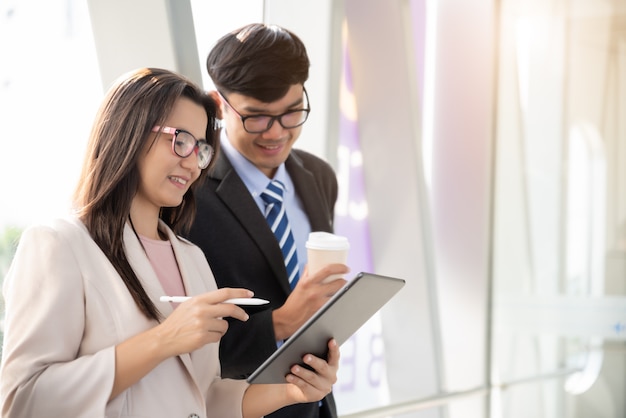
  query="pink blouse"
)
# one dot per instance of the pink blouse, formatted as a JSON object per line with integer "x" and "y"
{"x": 161, "y": 256}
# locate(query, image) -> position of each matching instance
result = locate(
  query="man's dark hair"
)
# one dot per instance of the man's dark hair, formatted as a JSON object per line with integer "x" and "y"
{"x": 259, "y": 61}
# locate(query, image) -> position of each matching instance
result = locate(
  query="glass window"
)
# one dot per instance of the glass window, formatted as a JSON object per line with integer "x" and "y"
{"x": 559, "y": 215}
{"x": 49, "y": 92}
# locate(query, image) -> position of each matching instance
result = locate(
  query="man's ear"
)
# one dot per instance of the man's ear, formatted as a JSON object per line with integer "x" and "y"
{"x": 218, "y": 101}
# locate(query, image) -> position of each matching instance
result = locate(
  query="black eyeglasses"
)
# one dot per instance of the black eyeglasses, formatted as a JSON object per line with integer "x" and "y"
{"x": 184, "y": 143}
{"x": 256, "y": 124}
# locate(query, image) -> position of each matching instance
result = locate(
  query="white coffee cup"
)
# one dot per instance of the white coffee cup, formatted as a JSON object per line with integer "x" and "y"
{"x": 324, "y": 248}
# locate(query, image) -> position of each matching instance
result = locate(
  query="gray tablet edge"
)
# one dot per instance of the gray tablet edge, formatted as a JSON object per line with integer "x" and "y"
{"x": 344, "y": 313}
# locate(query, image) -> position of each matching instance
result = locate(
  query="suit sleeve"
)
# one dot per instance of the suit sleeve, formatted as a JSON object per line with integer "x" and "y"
{"x": 42, "y": 373}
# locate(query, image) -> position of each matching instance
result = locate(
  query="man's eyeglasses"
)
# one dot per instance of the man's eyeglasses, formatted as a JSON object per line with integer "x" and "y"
{"x": 256, "y": 124}
{"x": 184, "y": 143}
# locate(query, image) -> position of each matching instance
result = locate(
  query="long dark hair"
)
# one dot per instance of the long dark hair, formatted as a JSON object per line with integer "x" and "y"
{"x": 136, "y": 103}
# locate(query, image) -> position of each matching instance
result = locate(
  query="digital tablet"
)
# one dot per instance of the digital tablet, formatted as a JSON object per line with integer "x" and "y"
{"x": 344, "y": 313}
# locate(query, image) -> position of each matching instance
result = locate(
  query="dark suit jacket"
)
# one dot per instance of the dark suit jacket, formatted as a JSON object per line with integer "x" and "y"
{"x": 243, "y": 252}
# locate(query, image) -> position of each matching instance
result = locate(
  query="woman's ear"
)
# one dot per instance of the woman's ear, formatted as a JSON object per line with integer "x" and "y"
{"x": 218, "y": 102}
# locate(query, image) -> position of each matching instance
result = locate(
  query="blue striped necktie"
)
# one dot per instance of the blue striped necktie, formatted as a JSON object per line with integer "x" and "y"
{"x": 278, "y": 222}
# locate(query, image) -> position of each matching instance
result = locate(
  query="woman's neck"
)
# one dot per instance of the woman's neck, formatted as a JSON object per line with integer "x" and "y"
{"x": 145, "y": 221}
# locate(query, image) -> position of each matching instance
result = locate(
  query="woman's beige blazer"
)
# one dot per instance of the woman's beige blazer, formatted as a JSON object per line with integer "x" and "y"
{"x": 67, "y": 308}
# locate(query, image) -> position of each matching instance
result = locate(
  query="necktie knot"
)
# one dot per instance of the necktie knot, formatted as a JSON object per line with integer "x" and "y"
{"x": 273, "y": 193}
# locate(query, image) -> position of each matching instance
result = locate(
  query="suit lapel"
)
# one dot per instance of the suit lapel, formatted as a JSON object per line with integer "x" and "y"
{"x": 234, "y": 194}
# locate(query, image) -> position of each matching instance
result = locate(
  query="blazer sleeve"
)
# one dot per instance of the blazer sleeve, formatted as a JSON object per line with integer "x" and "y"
{"x": 42, "y": 373}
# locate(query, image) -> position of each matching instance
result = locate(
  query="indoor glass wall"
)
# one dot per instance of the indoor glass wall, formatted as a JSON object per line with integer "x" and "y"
{"x": 559, "y": 245}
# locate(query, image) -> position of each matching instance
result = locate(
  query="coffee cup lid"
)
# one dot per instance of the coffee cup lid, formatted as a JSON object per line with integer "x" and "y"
{"x": 327, "y": 241}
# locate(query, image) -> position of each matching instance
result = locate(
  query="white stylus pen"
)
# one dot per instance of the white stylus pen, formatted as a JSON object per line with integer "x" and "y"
{"x": 236, "y": 301}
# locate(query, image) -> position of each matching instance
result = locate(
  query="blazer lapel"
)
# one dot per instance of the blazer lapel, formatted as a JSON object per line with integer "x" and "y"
{"x": 186, "y": 266}
{"x": 233, "y": 192}
{"x": 140, "y": 263}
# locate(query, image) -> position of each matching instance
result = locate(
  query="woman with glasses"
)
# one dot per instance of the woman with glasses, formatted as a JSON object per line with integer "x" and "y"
{"x": 259, "y": 72}
{"x": 86, "y": 332}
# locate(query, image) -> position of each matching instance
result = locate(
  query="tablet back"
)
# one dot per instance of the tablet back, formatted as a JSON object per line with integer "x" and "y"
{"x": 343, "y": 314}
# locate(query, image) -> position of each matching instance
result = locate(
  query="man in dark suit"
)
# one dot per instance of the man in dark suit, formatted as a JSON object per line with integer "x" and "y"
{"x": 259, "y": 72}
